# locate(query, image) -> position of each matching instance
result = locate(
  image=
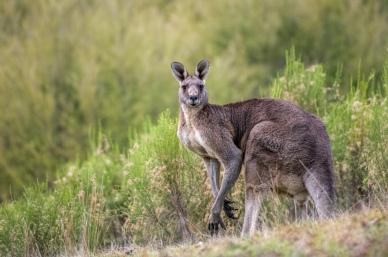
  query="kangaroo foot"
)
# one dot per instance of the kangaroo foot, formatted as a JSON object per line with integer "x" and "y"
{"x": 215, "y": 222}
{"x": 229, "y": 209}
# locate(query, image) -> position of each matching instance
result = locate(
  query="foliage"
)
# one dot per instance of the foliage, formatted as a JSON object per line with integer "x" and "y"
{"x": 166, "y": 187}
{"x": 111, "y": 197}
{"x": 70, "y": 67}
{"x": 72, "y": 217}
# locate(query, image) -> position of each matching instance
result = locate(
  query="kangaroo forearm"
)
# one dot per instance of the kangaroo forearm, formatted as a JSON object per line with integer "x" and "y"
{"x": 232, "y": 171}
{"x": 213, "y": 171}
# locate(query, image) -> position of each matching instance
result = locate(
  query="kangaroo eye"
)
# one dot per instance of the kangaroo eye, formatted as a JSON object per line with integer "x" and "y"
{"x": 200, "y": 86}
{"x": 184, "y": 87}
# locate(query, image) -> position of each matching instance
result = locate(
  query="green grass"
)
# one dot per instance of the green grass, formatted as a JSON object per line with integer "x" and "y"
{"x": 155, "y": 193}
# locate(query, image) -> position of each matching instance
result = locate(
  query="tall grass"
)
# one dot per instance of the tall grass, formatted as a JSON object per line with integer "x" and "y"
{"x": 165, "y": 176}
{"x": 71, "y": 218}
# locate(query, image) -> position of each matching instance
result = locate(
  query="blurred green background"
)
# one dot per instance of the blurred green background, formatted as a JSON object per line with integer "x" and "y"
{"x": 71, "y": 68}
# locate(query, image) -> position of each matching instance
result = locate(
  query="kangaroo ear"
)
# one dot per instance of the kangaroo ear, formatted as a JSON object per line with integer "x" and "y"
{"x": 202, "y": 69}
{"x": 179, "y": 71}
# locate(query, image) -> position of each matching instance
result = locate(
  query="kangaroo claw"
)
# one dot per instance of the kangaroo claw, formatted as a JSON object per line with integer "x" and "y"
{"x": 215, "y": 222}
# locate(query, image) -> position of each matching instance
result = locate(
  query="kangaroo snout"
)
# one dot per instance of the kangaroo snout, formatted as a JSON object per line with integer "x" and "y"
{"x": 193, "y": 100}
{"x": 193, "y": 95}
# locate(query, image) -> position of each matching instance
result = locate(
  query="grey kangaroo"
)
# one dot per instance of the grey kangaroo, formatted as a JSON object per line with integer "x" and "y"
{"x": 282, "y": 148}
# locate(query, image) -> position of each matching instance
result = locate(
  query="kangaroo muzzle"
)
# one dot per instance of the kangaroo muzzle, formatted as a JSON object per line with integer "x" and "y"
{"x": 193, "y": 96}
{"x": 193, "y": 100}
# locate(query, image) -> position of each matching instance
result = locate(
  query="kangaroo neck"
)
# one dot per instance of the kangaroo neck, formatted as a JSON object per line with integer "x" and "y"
{"x": 189, "y": 114}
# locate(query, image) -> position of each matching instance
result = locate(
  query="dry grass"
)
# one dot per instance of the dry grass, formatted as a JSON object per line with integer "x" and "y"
{"x": 361, "y": 234}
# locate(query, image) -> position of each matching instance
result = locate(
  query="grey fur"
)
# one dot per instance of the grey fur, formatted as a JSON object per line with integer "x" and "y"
{"x": 282, "y": 147}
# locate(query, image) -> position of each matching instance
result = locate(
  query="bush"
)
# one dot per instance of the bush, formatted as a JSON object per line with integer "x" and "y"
{"x": 168, "y": 196}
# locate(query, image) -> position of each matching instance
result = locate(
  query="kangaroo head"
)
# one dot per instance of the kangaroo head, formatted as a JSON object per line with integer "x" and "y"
{"x": 192, "y": 92}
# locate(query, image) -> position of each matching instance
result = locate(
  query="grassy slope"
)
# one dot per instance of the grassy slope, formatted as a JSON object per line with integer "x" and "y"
{"x": 362, "y": 234}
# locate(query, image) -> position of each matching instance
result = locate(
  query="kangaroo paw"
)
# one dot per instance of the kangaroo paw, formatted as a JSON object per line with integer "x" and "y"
{"x": 215, "y": 222}
{"x": 229, "y": 209}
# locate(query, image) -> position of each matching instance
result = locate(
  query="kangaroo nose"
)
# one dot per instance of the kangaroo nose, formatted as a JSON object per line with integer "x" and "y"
{"x": 193, "y": 98}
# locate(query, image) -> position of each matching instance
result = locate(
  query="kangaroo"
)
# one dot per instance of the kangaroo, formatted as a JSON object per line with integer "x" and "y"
{"x": 282, "y": 148}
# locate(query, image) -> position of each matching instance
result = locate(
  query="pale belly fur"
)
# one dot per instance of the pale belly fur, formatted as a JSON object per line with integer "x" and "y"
{"x": 194, "y": 141}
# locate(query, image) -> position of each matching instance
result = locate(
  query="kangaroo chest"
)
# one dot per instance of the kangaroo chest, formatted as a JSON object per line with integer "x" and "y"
{"x": 194, "y": 140}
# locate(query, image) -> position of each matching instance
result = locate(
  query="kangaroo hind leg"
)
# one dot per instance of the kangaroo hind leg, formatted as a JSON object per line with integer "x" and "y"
{"x": 319, "y": 184}
{"x": 253, "y": 200}
{"x": 254, "y": 194}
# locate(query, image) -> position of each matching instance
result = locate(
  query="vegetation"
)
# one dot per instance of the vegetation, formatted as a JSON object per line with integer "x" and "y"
{"x": 155, "y": 193}
{"x": 70, "y": 68}
{"x": 364, "y": 234}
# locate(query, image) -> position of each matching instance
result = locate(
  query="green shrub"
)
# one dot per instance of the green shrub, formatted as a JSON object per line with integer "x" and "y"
{"x": 72, "y": 217}
{"x": 168, "y": 196}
